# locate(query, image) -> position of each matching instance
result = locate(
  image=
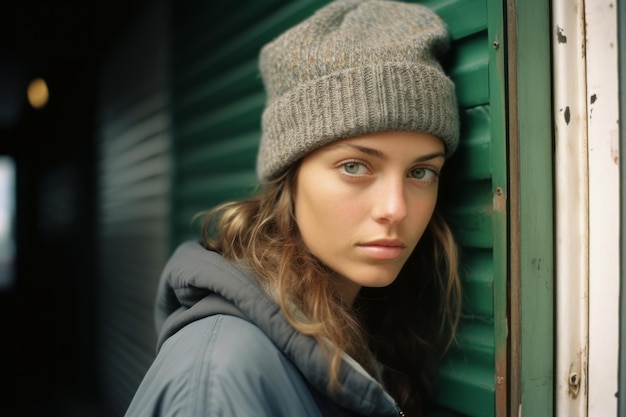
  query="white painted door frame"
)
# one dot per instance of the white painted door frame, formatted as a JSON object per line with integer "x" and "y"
{"x": 586, "y": 113}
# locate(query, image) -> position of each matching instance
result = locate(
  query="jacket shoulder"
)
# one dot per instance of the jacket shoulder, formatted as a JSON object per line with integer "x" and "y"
{"x": 222, "y": 366}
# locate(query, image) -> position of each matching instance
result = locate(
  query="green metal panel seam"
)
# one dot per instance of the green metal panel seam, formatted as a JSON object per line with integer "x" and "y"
{"x": 497, "y": 100}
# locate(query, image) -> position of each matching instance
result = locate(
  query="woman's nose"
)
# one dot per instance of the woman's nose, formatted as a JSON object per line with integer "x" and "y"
{"x": 389, "y": 202}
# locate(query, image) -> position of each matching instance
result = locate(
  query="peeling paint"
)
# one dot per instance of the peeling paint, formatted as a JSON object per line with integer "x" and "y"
{"x": 560, "y": 37}
{"x": 593, "y": 98}
{"x": 567, "y": 115}
{"x": 499, "y": 200}
{"x": 583, "y": 50}
{"x": 574, "y": 384}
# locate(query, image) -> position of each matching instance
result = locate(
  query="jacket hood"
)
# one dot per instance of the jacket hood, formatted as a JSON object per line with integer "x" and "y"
{"x": 197, "y": 283}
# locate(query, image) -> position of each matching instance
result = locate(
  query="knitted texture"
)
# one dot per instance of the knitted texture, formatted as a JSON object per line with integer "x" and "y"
{"x": 354, "y": 67}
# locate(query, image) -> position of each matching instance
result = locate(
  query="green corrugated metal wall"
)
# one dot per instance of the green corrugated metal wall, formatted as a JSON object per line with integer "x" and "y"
{"x": 474, "y": 203}
{"x": 217, "y": 99}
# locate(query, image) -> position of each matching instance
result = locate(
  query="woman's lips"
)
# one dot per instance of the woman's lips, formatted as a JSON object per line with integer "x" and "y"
{"x": 383, "y": 249}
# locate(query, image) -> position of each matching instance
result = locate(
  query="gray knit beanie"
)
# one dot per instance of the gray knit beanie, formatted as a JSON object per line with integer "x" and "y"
{"x": 354, "y": 67}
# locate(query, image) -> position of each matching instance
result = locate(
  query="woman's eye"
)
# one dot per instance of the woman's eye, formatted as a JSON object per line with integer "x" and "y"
{"x": 354, "y": 168}
{"x": 423, "y": 174}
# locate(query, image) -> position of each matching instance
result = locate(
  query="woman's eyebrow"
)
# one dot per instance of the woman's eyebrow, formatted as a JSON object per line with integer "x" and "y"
{"x": 368, "y": 151}
{"x": 430, "y": 156}
{"x": 383, "y": 156}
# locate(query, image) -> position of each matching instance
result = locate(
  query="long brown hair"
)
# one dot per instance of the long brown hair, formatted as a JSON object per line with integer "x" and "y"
{"x": 405, "y": 326}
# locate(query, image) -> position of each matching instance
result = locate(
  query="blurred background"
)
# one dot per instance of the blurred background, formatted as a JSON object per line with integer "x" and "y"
{"x": 75, "y": 78}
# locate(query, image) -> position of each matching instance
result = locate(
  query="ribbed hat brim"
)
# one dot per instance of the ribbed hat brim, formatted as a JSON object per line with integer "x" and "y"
{"x": 366, "y": 99}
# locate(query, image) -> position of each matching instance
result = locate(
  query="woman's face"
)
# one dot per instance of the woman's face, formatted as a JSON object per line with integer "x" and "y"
{"x": 363, "y": 203}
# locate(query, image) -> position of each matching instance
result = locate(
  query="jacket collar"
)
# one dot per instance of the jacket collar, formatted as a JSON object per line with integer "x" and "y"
{"x": 197, "y": 283}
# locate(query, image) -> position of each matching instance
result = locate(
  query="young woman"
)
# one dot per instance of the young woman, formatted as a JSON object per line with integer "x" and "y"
{"x": 333, "y": 291}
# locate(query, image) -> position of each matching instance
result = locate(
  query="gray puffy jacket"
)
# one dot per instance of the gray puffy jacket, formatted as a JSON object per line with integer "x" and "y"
{"x": 225, "y": 349}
